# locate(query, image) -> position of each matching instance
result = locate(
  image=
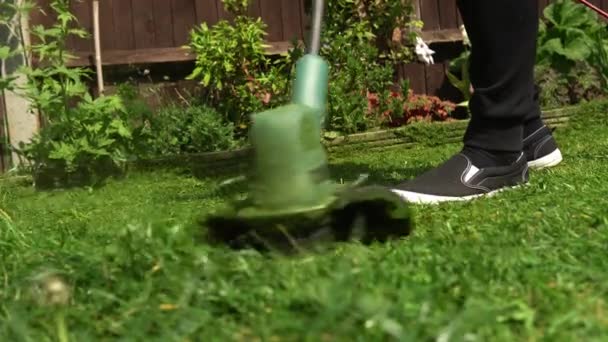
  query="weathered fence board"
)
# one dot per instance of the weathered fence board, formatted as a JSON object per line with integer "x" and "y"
{"x": 206, "y": 11}
{"x": 448, "y": 15}
{"x": 150, "y": 31}
{"x": 163, "y": 23}
{"x": 416, "y": 75}
{"x": 271, "y": 14}
{"x": 184, "y": 19}
{"x": 134, "y": 25}
{"x": 106, "y": 19}
{"x": 122, "y": 31}
{"x": 429, "y": 12}
{"x": 292, "y": 18}
{"x": 143, "y": 24}
{"x": 3, "y": 148}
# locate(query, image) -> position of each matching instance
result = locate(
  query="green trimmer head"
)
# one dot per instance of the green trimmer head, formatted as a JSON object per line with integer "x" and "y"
{"x": 292, "y": 201}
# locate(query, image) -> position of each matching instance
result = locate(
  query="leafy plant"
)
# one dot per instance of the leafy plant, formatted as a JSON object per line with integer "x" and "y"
{"x": 232, "y": 64}
{"x": 391, "y": 24}
{"x": 226, "y": 53}
{"x": 425, "y": 108}
{"x": 209, "y": 132}
{"x": 139, "y": 115}
{"x": 90, "y": 145}
{"x": 458, "y": 73}
{"x": 600, "y": 57}
{"x": 459, "y": 76}
{"x": 238, "y": 7}
{"x": 190, "y": 128}
{"x": 405, "y": 107}
{"x": 362, "y": 41}
{"x": 81, "y": 138}
{"x": 11, "y": 46}
{"x": 571, "y": 55}
{"x": 583, "y": 84}
{"x": 355, "y": 71}
{"x": 567, "y": 35}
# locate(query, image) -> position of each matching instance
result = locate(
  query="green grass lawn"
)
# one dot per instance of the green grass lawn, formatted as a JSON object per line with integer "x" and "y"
{"x": 529, "y": 264}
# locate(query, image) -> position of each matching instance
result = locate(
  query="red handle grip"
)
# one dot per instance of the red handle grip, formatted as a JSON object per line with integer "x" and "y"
{"x": 595, "y": 8}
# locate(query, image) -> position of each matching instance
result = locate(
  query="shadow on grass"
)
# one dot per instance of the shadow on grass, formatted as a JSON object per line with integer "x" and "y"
{"x": 349, "y": 171}
{"x": 346, "y": 172}
{"x": 228, "y": 186}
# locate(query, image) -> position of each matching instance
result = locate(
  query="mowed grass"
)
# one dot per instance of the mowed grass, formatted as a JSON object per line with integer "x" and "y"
{"x": 530, "y": 264}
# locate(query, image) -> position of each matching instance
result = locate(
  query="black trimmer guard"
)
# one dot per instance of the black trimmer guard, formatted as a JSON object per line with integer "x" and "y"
{"x": 365, "y": 214}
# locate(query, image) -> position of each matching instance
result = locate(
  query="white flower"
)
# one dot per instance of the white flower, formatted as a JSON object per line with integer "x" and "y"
{"x": 424, "y": 53}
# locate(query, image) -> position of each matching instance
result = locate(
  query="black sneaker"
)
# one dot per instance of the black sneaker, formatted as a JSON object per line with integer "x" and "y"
{"x": 541, "y": 149}
{"x": 459, "y": 180}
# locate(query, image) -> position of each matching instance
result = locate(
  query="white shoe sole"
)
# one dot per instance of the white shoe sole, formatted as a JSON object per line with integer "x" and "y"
{"x": 550, "y": 160}
{"x": 418, "y": 198}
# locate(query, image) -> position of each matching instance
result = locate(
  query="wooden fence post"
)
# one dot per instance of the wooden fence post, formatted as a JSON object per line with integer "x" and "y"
{"x": 21, "y": 123}
{"x": 97, "y": 39}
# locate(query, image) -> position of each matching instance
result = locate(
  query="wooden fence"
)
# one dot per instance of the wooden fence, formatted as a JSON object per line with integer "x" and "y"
{"x": 4, "y": 153}
{"x": 150, "y": 31}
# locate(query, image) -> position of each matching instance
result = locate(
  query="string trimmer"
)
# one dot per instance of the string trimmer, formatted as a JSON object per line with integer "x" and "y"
{"x": 292, "y": 202}
{"x": 595, "y": 8}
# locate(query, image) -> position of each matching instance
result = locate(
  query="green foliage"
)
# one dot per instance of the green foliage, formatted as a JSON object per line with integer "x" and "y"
{"x": 405, "y": 107}
{"x": 571, "y": 56}
{"x": 567, "y": 35}
{"x": 226, "y": 53}
{"x": 600, "y": 56}
{"x": 363, "y": 41}
{"x": 232, "y": 64}
{"x": 238, "y": 7}
{"x": 583, "y": 84}
{"x": 91, "y": 138}
{"x": 355, "y": 71}
{"x": 11, "y": 47}
{"x": 189, "y": 128}
{"x": 459, "y": 72}
{"x": 132, "y": 100}
{"x": 139, "y": 116}
{"x": 459, "y": 76}
{"x": 391, "y": 24}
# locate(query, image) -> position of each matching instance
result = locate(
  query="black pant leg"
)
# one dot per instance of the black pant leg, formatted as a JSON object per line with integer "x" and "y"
{"x": 503, "y": 36}
{"x": 533, "y": 121}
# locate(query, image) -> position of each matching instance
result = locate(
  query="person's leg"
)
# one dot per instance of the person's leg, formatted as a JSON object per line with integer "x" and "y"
{"x": 540, "y": 147}
{"x": 533, "y": 121}
{"x": 503, "y": 36}
{"x": 513, "y": 48}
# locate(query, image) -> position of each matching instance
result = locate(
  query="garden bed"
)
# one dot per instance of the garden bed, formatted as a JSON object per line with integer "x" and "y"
{"x": 418, "y": 134}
